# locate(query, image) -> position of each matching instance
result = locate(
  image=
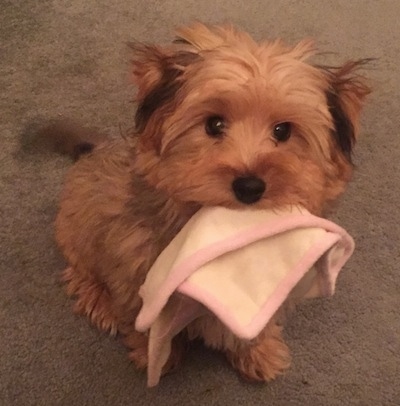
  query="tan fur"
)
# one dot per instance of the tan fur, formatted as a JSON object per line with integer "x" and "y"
{"x": 123, "y": 203}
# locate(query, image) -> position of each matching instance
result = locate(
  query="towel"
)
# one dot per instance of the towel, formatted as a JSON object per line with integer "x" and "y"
{"x": 240, "y": 265}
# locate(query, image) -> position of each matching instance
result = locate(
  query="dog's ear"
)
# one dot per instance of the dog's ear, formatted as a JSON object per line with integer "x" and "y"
{"x": 157, "y": 73}
{"x": 345, "y": 97}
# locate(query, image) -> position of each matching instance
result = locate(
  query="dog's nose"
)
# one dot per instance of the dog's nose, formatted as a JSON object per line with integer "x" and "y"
{"x": 249, "y": 189}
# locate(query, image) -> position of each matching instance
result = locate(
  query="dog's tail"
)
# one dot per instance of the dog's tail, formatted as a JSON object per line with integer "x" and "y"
{"x": 68, "y": 138}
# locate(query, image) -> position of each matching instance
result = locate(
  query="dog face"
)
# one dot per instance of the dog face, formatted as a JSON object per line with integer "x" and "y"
{"x": 225, "y": 121}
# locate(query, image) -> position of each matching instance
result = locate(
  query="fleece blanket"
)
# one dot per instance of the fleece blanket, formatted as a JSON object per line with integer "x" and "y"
{"x": 240, "y": 265}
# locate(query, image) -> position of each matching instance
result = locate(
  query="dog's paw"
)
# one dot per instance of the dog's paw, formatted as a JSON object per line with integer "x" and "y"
{"x": 92, "y": 299}
{"x": 138, "y": 343}
{"x": 262, "y": 360}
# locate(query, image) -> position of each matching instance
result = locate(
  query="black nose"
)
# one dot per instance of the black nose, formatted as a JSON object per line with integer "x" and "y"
{"x": 249, "y": 189}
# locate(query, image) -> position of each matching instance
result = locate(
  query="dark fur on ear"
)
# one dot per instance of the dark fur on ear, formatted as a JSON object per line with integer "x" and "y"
{"x": 343, "y": 132}
{"x": 345, "y": 97}
{"x": 165, "y": 90}
{"x": 157, "y": 73}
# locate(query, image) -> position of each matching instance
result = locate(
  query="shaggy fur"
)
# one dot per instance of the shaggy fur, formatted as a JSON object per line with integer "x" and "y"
{"x": 123, "y": 202}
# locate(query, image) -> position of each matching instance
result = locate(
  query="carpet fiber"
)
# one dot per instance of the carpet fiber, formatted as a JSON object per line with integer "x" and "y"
{"x": 69, "y": 58}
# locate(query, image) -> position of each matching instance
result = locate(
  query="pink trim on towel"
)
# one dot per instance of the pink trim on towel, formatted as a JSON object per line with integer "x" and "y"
{"x": 183, "y": 270}
{"x": 272, "y": 304}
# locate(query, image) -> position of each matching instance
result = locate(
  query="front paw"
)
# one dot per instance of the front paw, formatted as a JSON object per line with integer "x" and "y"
{"x": 138, "y": 343}
{"x": 262, "y": 359}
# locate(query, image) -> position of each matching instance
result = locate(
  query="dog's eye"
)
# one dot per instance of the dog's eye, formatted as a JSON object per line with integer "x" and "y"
{"x": 282, "y": 131}
{"x": 215, "y": 126}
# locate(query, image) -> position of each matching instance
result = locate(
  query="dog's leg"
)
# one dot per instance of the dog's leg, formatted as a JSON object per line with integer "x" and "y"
{"x": 263, "y": 358}
{"x": 138, "y": 343}
{"x": 92, "y": 299}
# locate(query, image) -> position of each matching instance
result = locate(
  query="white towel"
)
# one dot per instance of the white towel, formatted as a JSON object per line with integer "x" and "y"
{"x": 241, "y": 266}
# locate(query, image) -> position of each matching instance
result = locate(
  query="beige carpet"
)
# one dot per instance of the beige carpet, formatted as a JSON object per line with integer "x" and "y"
{"x": 69, "y": 58}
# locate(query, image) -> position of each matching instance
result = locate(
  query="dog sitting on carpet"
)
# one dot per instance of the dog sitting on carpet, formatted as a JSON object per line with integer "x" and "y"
{"x": 221, "y": 121}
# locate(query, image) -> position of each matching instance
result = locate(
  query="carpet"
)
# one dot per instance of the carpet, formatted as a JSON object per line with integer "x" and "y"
{"x": 69, "y": 58}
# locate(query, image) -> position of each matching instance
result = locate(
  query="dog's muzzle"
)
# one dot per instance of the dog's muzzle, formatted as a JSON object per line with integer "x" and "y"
{"x": 249, "y": 189}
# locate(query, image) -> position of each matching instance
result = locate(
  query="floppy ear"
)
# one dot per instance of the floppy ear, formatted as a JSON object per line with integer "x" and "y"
{"x": 345, "y": 97}
{"x": 157, "y": 73}
{"x": 147, "y": 66}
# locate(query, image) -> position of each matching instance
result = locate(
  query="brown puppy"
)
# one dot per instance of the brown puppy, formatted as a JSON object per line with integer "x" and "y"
{"x": 221, "y": 120}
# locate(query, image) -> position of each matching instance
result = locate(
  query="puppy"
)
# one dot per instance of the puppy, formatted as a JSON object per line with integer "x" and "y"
{"x": 221, "y": 121}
